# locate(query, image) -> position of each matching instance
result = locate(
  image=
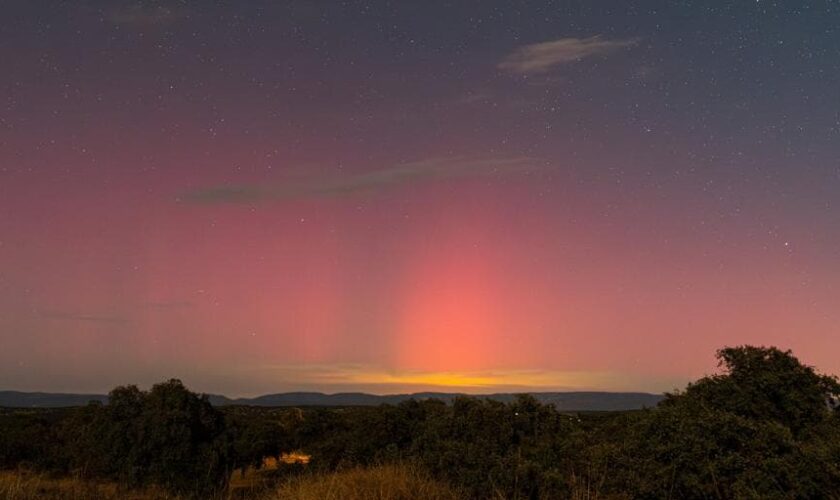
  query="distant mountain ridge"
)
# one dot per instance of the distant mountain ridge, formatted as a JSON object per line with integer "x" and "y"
{"x": 18, "y": 399}
{"x": 564, "y": 401}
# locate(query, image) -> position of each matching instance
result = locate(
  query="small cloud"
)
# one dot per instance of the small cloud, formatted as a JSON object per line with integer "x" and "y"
{"x": 91, "y": 318}
{"x": 148, "y": 14}
{"x": 226, "y": 194}
{"x": 542, "y": 57}
{"x": 332, "y": 186}
{"x": 167, "y": 305}
{"x": 477, "y": 97}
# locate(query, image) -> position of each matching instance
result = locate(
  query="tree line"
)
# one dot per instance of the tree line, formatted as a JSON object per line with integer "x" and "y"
{"x": 766, "y": 427}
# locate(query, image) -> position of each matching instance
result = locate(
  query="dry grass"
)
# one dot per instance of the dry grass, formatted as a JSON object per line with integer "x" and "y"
{"x": 23, "y": 485}
{"x": 386, "y": 482}
{"x": 26, "y": 485}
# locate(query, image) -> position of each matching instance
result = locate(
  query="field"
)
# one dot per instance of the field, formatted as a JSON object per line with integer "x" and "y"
{"x": 23, "y": 485}
{"x": 375, "y": 483}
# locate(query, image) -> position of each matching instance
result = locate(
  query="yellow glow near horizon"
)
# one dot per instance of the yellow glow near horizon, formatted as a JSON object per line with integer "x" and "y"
{"x": 378, "y": 380}
{"x": 480, "y": 380}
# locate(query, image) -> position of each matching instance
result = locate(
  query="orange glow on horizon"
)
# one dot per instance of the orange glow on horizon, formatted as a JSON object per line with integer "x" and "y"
{"x": 338, "y": 378}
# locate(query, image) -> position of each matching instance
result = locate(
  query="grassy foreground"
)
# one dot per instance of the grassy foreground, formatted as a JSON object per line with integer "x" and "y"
{"x": 33, "y": 486}
{"x": 387, "y": 482}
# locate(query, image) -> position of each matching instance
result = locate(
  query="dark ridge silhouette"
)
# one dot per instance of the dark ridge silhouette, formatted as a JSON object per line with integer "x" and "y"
{"x": 18, "y": 399}
{"x": 564, "y": 401}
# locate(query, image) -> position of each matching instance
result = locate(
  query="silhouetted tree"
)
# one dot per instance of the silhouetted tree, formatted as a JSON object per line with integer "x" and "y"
{"x": 761, "y": 429}
{"x": 764, "y": 383}
{"x": 168, "y": 436}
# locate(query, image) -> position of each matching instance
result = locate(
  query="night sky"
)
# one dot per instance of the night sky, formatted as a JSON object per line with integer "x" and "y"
{"x": 402, "y": 195}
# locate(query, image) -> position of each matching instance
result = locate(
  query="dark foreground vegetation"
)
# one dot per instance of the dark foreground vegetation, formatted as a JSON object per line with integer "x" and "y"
{"x": 767, "y": 427}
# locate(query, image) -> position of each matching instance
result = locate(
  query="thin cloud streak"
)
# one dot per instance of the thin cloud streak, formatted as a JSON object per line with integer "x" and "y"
{"x": 543, "y": 57}
{"x": 333, "y": 186}
{"x": 64, "y": 316}
{"x": 174, "y": 304}
{"x": 144, "y": 16}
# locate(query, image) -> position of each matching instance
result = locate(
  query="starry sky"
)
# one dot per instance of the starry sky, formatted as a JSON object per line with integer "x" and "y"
{"x": 395, "y": 196}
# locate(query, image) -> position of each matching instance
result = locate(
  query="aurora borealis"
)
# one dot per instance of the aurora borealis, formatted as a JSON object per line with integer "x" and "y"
{"x": 396, "y": 196}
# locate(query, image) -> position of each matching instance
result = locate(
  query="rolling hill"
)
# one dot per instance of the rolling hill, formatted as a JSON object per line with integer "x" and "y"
{"x": 564, "y": 401}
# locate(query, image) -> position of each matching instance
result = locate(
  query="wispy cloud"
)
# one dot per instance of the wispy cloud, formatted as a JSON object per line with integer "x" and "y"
{"x": 542, "y": 57}
{"x": 91, "y": 318}
{"x": 148, "y": 14}
{"x": 338, "y": 185}
{"x": 167, "y": 305}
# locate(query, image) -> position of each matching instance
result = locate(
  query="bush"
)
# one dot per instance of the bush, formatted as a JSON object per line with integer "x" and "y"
{"x": 168, "y": 436}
